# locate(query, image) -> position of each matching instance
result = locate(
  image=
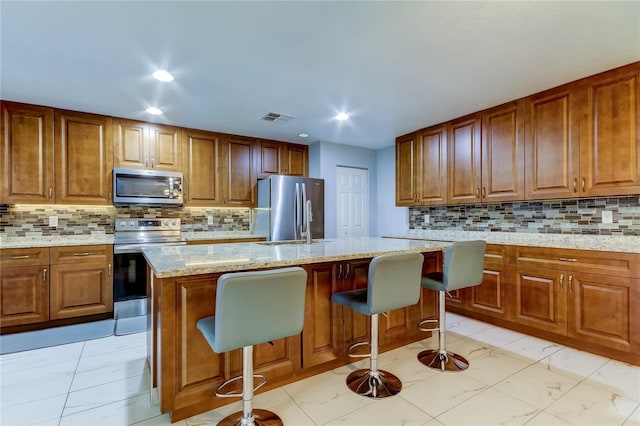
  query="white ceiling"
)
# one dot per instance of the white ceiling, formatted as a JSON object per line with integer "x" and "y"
{"x": 394, "y": 66}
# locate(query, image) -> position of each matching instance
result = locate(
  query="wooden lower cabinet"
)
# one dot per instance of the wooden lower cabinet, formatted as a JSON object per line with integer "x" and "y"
{"x": 24, "y": 295}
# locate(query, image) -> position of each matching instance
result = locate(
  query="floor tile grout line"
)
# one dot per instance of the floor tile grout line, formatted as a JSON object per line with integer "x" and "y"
{"x": 71, "y": 382}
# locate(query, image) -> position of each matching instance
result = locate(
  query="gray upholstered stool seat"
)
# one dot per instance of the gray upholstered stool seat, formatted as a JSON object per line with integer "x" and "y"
{"x": 253, "y": 308}
{"x": 463, "y": 267}
{"x": 393, "y": 283}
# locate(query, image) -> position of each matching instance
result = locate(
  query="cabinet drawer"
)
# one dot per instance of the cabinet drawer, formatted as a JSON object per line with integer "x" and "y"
{"x": 588, "y": 261}
{"x": 496, "y": 253}
{"x": 74, "y": 254}
{"x": 24, "y": 256}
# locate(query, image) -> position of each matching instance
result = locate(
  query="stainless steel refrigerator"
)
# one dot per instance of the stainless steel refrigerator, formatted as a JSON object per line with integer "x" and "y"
{"x": 282, "y": 214}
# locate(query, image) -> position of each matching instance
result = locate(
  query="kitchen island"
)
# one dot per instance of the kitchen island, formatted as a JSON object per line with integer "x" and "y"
{"x": 182, "y": 286}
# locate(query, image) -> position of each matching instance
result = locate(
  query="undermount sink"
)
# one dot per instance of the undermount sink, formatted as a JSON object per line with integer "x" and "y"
{"x": 281, "y": 243}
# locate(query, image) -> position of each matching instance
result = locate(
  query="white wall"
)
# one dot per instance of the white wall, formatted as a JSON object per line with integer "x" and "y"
{"x": 391, "y": 219}
{"x": 324, "y": 157}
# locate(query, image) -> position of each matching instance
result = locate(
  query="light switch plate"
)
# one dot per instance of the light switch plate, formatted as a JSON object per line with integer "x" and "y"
{"x": 427, "y": 218}
{"x": 607, "y": 216}
{"x": 209, "y": 220}
{"x": 53, "y": 221}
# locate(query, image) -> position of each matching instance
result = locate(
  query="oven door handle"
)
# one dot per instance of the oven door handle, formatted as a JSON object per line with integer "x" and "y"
{"x": 137, "y": 248}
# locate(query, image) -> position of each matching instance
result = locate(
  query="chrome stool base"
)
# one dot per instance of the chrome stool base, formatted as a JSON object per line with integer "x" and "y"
{"x": 379, "y": 384}
{"x": 442, "y": 360}
{"x": 260, "y": 418}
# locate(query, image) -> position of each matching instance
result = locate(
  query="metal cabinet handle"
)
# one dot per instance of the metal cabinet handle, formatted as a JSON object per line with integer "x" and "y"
{"x": 340, "y": 271}
{"x": 478, "y": 192}
{"x": 575, "y": 184}
{"x": 567, "y": 259}
{"x": 484, "y": 192}
{"x": 561, "y": 281}
{"x": 346, "y": 275}
{"x": 152, "y": 162}
{"x": 583, "y": 183}
{"x": 44, "y": 276}
{"x": 50, "y": 192}
{"x": 109, "y": 269}
{"x": 570, "y": 284}
{"x": 86, "y": 253}
{"x": 24, "y": 256}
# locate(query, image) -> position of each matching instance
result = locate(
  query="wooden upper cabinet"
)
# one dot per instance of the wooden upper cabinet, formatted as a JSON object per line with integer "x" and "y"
{"x": 201, "y": 168}
{"x": 552, "y": 143}
{"x": 464, "y": 160}
{"x": 406, "y": 158}
{"x": 26, "y": 154}
{"x": 140, "y": 145}
{"x": 83, "y": 158}
{"x": 503, "y": 153}
{"x": 431, "y": 166}
{"x": 610, "y": 133}
{"x": 238, "y": 172}
{"x": 280, "y": 158}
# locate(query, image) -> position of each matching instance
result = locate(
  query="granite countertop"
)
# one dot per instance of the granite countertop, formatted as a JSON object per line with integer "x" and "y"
{"x": 624, "y": 244}
{"x": 210, "y": 258}
{"x": 219, "y": 235}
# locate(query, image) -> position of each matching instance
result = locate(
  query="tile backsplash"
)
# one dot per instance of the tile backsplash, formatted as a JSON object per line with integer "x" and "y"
{"x": 33, "y": 220}
{"x": 566, "y": 216}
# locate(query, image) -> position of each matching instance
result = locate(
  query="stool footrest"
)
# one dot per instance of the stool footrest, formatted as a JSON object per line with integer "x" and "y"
{"x": 423, "y": 322}
{"x": 221, "y": 394}
{"x": 355, "y": 345}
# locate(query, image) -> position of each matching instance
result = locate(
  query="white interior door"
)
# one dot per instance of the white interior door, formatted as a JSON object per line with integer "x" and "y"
{"x": 353, "y": 202}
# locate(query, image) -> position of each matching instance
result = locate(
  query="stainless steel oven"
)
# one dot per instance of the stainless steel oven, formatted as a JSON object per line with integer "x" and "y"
{"x": 130, "y": 267}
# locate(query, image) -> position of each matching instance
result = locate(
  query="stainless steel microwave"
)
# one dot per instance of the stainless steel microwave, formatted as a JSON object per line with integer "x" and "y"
{"x": 133, "y": 186}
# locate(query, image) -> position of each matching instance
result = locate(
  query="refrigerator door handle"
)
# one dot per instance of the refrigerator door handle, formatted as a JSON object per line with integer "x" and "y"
{"x": 297, "y": 218}
{"x": 304, "y": 208}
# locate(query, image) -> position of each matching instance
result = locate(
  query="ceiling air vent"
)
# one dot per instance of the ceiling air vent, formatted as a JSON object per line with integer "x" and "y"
{"x": 276, "y": 117}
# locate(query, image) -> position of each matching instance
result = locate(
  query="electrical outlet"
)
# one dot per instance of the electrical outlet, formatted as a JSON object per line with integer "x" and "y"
{"x": 426, "y": 218}
{"x": 53, "y": 221}
{"x": 209, "y": 220}
{"x": 607, "y": 216}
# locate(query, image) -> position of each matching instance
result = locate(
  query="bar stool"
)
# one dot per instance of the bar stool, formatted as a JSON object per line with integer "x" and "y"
{"x": 463, "y": 267}
{"x": 252, "y": 308}
{"x": 393, "y": 283}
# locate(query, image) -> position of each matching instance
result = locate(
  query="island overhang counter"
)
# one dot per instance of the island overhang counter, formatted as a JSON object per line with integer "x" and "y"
{"x": 182, "y": 284}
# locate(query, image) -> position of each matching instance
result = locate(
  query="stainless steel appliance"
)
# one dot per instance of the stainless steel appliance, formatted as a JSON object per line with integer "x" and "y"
{"x": 130, "y": 267}
{"x": 282, "y": 212}
{"x": 133, "y": 186}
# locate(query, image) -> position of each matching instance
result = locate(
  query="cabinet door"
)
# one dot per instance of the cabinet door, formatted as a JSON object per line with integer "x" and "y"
{"x": 503, "y": 153}
{"x": 322, "y": 331}
{"x": 357, "y": 327}
{"x": 464, "y": 171}
{"x": 406, "y": 155}
{"x": 539, "y": 299}
{"x": 268, "y": 162}
{"x": 296, "y": 160}
{"x": 201, "y": 168}
{"x": 277, "y": 359}
{"x": 83, "y": 158}
{"x": 165, "y": 149}
{"x": 26, "y": 154}
{"x": 491, "y": 297}
{"x": 599, "y": 309}
{"x": 131, "y": 144}
{"x": 428, "y": 304}
{"x": 24, "y": 295}
{"x": 79, "y": 289}
{"x": 238, "y": 172}
{"x": 552, "y": 144}
{"x": 431, "y": 166}
{"x": 609, "y": 127}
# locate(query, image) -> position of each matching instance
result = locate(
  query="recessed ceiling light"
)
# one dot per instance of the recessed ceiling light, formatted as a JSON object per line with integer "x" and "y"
{"x": 342, "y": 116}
{"x": 163, "y": 75}
{"x": 154, "y": 110}
{"x": 303, "y": 135}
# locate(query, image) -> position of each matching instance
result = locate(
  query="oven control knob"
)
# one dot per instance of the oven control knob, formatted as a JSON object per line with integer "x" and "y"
{"x": 123, "y": 224}
{"x": 174, "y": 223}
{"x": 132, "y": 223}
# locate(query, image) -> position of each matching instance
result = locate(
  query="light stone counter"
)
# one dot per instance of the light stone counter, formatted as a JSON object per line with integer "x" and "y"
{"x": 625, "y": 244}
{"x": 56, "y": 241}
{"x": 218, "y": 235}
{"x": 210, "y": 258}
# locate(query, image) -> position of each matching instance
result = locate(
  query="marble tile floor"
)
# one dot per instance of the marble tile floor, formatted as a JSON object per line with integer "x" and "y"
{"x": 513, "y": 379}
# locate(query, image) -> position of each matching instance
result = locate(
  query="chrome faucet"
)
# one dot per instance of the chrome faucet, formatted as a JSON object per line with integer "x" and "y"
{"x": 308, "y": 221}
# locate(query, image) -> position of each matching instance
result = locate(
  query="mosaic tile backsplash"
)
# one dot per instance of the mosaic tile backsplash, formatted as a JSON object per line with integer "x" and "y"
{"x": 33, "y": 220}
{"x": 568, "y": 216}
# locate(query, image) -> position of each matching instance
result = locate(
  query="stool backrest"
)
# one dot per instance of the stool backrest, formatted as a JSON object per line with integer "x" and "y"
{"x": 257, "y": 307}
{"x": 463, "y": 264}
{"x": 394, "y": 281}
